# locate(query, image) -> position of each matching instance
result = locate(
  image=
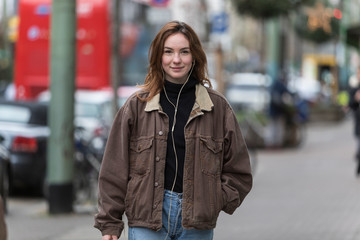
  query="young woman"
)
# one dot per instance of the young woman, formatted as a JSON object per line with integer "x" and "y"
{"x": 175, "y": 156}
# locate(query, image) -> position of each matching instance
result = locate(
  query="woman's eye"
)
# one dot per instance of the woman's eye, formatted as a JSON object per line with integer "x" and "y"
{"x": 167, "y": 51}
{"x": 185, "y": 52}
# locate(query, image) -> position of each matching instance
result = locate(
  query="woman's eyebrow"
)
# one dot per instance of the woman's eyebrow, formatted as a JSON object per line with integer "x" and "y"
{"x": 184, "y": 48}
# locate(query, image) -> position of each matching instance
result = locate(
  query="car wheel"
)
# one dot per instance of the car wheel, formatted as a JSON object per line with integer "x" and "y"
{"x": 4, "y": 184}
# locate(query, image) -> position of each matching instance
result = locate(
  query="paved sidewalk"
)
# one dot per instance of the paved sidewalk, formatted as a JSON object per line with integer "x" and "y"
{"x": 29, "y": 219}
{"x": 310, "y": 193}
{"x": 87, "y": 231}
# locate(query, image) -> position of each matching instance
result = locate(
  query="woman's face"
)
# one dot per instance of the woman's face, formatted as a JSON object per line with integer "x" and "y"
{"x": 176, "y": 59}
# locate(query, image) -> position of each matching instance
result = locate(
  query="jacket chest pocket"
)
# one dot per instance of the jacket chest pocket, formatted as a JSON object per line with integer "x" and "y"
{"x": 211, "y": 156}
{"x": 140, "y": 154}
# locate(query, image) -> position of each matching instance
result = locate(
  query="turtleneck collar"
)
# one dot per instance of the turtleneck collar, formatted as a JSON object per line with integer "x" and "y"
{"x": 174, "y": 88}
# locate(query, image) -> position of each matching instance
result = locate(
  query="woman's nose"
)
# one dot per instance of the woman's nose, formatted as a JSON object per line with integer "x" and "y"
{"x": 177, "y": 58}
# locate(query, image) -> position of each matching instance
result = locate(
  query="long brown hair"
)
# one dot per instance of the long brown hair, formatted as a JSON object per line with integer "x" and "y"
{"x": 154, "y": 81}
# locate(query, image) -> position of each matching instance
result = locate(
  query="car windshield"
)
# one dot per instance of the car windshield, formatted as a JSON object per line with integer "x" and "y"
{"x": 238, "y": 92}
{"x": 87, "y": 110}
{"x": 14, "y": 114}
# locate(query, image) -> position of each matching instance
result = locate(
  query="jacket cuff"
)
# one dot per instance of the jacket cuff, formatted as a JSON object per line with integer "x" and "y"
{"x": 111, "y": 231}
{"x": 230, "y": 203}
{"x": 230, "y": 207}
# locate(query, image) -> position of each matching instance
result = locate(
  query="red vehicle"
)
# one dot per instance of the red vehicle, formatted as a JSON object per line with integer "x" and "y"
{"x": 32, "y": 47}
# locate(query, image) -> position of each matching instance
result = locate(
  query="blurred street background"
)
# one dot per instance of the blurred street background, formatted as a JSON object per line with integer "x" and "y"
{"x": 286, "y": 67}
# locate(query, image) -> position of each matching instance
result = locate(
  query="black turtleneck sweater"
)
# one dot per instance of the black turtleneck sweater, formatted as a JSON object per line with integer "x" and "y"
{"x": 186, "y": 102}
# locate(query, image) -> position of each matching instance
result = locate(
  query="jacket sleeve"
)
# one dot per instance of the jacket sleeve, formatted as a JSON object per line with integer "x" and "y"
{"x": 113, "y": 176}
{"x": 236, "y": 175}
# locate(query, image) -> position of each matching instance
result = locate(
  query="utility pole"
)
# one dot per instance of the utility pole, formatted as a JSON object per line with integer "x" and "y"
{"x": 116, "y": 63}
{"x": 60, "y": 163}
{"x": 6, "y": 49}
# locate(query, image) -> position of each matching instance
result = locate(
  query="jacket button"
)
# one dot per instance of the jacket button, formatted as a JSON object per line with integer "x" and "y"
{"x": 157, "y": 158}
{"x": 156, "y": 184}
{"x": 161, "y": 133}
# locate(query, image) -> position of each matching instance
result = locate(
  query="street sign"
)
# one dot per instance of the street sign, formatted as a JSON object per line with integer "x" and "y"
{"x": 219, "y": 22}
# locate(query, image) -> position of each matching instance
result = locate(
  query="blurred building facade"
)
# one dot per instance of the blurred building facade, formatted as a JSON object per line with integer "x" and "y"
{"x": 329, "y": 58}
{"x": 237, "y": 43}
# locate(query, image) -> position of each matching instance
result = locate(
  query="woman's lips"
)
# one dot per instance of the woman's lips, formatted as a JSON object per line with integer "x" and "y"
{"x": 177, "y": 68}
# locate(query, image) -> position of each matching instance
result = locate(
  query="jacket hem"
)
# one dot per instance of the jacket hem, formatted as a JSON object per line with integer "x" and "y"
{"x": 153, "y": 226}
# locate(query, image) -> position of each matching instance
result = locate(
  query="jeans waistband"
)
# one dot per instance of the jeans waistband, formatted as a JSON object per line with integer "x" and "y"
{"x": 171, "y": 194}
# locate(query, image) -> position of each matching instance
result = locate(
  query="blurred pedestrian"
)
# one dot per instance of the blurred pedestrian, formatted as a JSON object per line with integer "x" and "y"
{"x": 3, "y": 230}
{"x": 354, "y": 100}
{"x": 175, "y": 156}
{"x": 280, "y": 101}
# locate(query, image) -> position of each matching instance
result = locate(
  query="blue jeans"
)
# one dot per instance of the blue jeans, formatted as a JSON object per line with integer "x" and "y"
{"x": 172, "y": 229}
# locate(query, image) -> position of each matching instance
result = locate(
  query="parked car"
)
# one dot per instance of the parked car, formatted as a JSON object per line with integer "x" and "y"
{"x": 24, "y": 130}
{"x": 93, "y": 112}
{"x": 249, "y": 96}
{"x": 94, "y": 108}
{"x": 4, "y": 173}
{"x": 249, "y": 90}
